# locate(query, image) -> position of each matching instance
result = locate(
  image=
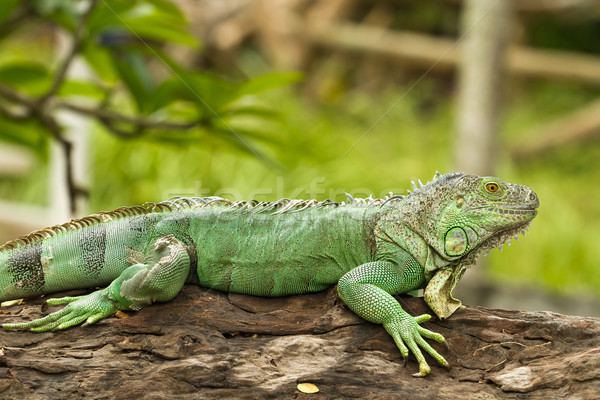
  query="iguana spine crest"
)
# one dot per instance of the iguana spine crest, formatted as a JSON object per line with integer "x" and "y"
{"x": 182, "y": 203}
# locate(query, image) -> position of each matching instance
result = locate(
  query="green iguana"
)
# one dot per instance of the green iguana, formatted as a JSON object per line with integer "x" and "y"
{"x": 371, "y": 248}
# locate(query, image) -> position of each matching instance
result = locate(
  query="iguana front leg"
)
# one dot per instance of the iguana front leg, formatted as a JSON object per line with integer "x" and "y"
{"x": 159, "y": 278}
{"x": 367, "y": 290}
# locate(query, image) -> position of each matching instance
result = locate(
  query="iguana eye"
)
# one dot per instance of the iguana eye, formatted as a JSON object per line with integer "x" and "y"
{"x": 492, "y": 187}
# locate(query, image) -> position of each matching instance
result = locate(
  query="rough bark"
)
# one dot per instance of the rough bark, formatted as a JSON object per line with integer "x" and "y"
{"x": 206, "y": 344}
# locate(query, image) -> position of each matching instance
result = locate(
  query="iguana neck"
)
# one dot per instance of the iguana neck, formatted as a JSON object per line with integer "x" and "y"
{"x": 401, "y": 226}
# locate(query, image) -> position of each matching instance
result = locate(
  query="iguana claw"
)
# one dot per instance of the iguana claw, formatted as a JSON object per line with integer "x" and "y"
{"x": 424, "y": 370}
{"x": 87, "y": 308}
{"x": 408, "y": 334}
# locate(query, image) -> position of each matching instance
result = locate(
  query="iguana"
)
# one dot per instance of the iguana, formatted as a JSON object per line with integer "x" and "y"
{"x": 371, "y": 248}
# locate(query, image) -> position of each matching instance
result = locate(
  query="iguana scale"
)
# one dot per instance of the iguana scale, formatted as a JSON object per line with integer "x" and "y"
{"x": 372, "y": 249}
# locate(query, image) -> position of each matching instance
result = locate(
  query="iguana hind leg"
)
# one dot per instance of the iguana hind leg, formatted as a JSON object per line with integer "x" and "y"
{"x": 159, "y": 278}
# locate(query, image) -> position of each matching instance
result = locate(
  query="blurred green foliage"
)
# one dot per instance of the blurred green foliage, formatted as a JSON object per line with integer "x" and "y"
{"x": 136, "y": 88}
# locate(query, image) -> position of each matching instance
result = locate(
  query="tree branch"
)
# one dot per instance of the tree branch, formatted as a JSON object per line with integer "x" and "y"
{"x": 67, "y": 146}
{"x": 36, "y": 109}
{"x": 41, "y": 108}
{"x": 77, "y": 39}
{"x": 114, "y": 117}
{"x": 494, "y": 354}
{"x": 13, "y": 115}
{"x": 15, "y": 96}
{"x": 16, "y": 20}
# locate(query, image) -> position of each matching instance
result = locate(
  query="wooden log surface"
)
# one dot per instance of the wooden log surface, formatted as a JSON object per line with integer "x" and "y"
{"x": 207, "y": 344}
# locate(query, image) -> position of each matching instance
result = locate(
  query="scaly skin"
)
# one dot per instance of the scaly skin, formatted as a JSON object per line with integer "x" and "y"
{"x": 373, "y": 249}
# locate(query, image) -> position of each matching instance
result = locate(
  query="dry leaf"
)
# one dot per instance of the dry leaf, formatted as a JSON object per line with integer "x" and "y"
{"x": 11, "y": 303}
{"x": 121, "y": 314}
{"x": 308, "y": 387}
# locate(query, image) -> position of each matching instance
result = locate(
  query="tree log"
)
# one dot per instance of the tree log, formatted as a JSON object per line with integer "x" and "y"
{"x": 442, "y": 54}
{"x": 485, "y": 32}
{"x": 577, "y": 127}
{"x": 207, "y": 344}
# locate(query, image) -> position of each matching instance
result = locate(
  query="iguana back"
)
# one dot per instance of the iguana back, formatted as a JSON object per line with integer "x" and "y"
{"x": 255, "y": 248}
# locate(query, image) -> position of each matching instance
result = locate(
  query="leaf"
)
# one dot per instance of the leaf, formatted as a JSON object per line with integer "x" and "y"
{"x": 251, "y": 110}
{"x": 28, "y": 134}
{"x": 6, "y": 8}
{"x": 47, "y": 7}
{"x": 106, "y": 16}
{"x": 132, "y": 68}
{"x": 22, "y": 72}
{"x": 100, "y": 60}
{"x": 80, "y": 88}
{"x": 167, "y": 6}
{"x": 308, "y": 387}
{"x": 166, "y": 93}
{"x": 268, "y": 81}
{"x": 11, "y": 303}
{"x": 209, "y": 92}
{"x": 145, "y": 21}
{"x": 31, "y": 77}
{"x": 234, "y": 138}
{"x": 242, "y": 133}
{"x": 161, "y": 28}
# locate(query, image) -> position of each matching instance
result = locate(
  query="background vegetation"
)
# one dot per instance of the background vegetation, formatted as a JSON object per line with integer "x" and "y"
{"x": 255, "y": 131}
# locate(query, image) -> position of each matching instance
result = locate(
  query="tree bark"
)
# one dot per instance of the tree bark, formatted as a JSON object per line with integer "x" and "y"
{"x": 206, "y": 344}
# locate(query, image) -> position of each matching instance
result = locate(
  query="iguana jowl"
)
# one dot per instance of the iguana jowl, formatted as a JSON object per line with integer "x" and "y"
{"x": 372, "y": 249}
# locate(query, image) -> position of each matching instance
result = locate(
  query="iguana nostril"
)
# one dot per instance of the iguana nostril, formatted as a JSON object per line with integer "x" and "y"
{"x": 533, "y": 198}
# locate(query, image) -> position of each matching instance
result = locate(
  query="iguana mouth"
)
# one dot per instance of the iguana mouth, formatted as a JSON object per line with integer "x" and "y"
{"x": 508, "y": 209}
{"x": 518, "y": 208}
{"x": 498, "y": 240}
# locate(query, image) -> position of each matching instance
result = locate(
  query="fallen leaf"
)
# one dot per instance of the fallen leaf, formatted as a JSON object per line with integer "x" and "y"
{"x": 308, "y": 387}
{"x": 11, "y": 303}
{"x": 121, "y": 314}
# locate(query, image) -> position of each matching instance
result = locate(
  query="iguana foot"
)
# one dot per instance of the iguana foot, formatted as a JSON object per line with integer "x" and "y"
{"x": 89, "y": 308}
{"x": 409, "y": 335}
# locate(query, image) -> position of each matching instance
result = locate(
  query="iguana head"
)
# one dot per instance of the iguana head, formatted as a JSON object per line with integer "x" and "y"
{"x": 460, "y": 216}
{"x": 482, "y": 213}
